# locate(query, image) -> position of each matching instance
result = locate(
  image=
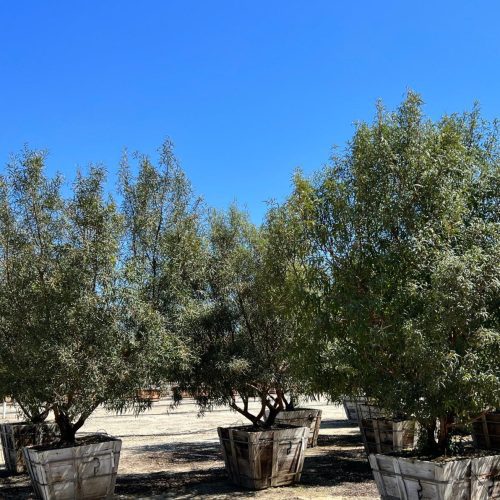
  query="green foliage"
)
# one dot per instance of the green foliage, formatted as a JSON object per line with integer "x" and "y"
{"x": 163, "y": 245}
{"x": 400, "y": 272}
{"x": 73, "y": 335}
{"x": 239, "y": 337}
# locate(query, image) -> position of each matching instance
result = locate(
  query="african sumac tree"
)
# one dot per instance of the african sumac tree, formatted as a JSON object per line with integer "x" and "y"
{"x": 70, "y": 328}
{"x": 402, "y": 280}
{"x": 163, "y": 243}
{"x": 239, "y": 339}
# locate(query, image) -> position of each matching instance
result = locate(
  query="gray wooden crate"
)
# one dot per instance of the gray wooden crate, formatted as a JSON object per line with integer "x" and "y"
{"x": 264, "y": 458}
{"x": 303, "y": 417}
{"x": 74, "y": 473}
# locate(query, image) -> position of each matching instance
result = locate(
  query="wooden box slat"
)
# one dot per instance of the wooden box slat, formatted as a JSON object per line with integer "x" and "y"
{"x": 410, "y": 479}
{"x": 400, "y": 478}
{"x": 351, "y": 410}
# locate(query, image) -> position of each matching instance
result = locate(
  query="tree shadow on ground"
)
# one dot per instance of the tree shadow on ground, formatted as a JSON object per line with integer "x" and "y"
{"x": 182, "y": 453}
{"x": 14, "y": 487}
{"x": 336, "y": 467}
{"x": 189, "y": 484}
{"x": 342, "y": 440}
{"x": 338, "y": 424}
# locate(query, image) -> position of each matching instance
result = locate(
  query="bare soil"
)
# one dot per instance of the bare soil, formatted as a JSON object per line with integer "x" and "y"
{"x": 176, "y": 454}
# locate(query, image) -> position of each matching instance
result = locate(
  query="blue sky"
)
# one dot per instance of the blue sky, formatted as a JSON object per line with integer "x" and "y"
{"x": 248, "y": 91}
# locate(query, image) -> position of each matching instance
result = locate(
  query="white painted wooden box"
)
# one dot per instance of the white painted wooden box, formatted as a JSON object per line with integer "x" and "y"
{"x": 80, "y": 472}
{"x": 412, "y": 479}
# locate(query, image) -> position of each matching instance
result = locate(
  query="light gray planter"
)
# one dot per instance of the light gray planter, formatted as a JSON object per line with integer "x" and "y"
{"x": 400, "y": 478}
{"x": 74, "y": 473}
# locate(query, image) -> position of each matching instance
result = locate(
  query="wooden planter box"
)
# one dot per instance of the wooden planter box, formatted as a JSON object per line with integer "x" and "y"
{"x": 351, "y": 410}
{"x": 381, "y": 435}
{"x": 486, "y": 431}
{"x": 413, "y": 479}
{"x": 152, "y": 395}
{"x": 76, "y": 473}
{"x": 367, "y": 410}
{"x": 361, "y": 407}
{"x": 303, "y": 417}
{"x": 263, "y": 458}
{"x": 16, "y": 435}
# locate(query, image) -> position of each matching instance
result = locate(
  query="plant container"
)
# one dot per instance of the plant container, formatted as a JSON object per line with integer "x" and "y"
{"x": 486, "y": 430}
{"x": 350, "y": 407}
{"x": 453, "y": 479}
{"x": 85, "y": 471}
{"x": 16, "y": 435}
{"x": 151, "y": 395}
{"x": 303, "y": 417}
{"x": 383, "y": 435}
{"x": 258, "y": 458}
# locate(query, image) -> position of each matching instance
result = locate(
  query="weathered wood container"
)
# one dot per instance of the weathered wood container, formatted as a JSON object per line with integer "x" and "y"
{"x": 382, "y": 435}
{"x": 16, "y": 435}
{"x": 303, "y": 417}
{"x": 258, "y": 459}
{"x": 80, "y": 472}
{"x": 152, "y": 395}
{"x": 485, "y": 478}
{"x": 413, "y": 479}
{"x": 486, "y": 431}
{"x": 351, "y": 410}
{"x": 367, "y": 410}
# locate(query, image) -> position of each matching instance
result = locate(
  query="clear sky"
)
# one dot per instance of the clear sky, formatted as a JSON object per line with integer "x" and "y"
{"x": 248, "y": 91}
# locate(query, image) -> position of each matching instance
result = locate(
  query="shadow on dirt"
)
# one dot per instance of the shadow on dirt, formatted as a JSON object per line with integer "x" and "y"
{"x": 338, "y": 424}
{"x": 328, "y": 469}
{"x": 182, "y": 453}
{"x": 336, "y": 467}
{"x": 342, "y": 440}
{"x": 192, "y": 484}
{"x": 15, "y": 486}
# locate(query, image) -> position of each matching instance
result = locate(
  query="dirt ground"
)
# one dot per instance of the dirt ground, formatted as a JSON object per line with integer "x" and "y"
{"x": 176, "y": 454}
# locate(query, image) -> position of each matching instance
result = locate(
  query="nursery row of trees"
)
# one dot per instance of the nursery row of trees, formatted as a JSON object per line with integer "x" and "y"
{"x": 378, "y": 276}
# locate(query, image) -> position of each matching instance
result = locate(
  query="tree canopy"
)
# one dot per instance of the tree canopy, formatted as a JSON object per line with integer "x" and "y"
{"x": 73, "y": 333}
{"x": 400, "y": 270}
{"x": 239, "y": 337}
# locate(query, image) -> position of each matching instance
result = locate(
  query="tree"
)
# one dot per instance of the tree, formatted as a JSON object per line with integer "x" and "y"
{"x": 239, "y": 338}
{"x": 163, "y": 241}
{"x": 71, "y": 331}
{"x": 401, "y": 282}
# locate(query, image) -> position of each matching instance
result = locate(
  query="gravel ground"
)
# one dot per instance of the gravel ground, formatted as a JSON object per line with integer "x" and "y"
{"x": 176, "y": 454}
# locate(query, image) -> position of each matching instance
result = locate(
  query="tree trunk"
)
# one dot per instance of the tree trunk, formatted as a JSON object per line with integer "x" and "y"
{"x": 67, "y": 429}
{"x": 430, "y": 444}
{"x": 289, "y": 405}
{"x": 273, "y": 413}
{"x": 445, "y": 422}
